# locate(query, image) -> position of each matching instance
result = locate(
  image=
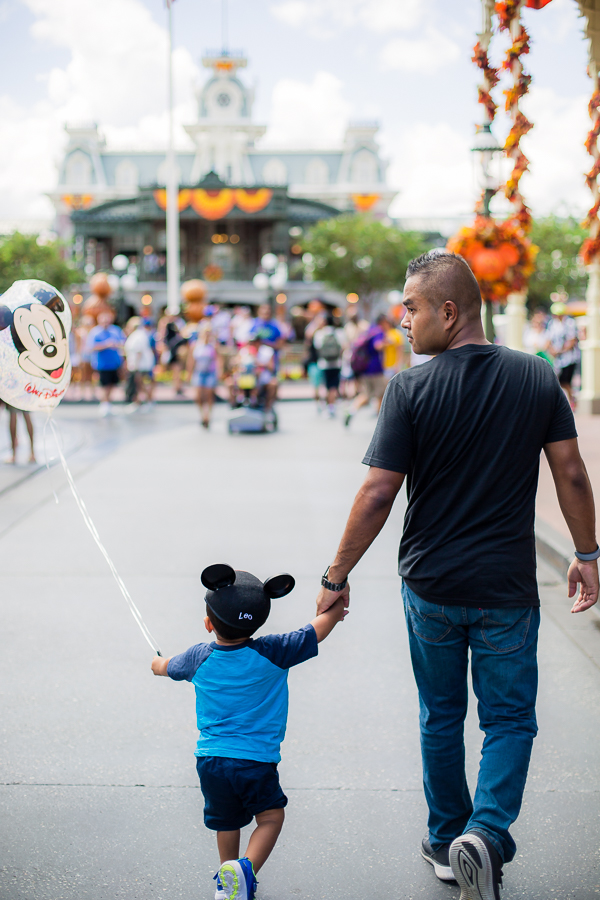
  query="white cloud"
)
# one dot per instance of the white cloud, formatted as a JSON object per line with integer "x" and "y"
{"x": 420, "y": 54}
{"x": 116, "y": 75}
{"x": 379, "y": 16}
{"x": 432, "y": 167}
{"x": 556, "y": 152}
{"x": 307, "y": 115}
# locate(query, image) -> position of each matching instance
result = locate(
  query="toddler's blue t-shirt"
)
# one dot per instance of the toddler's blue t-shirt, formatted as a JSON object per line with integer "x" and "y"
{"x": 242, "y": 692}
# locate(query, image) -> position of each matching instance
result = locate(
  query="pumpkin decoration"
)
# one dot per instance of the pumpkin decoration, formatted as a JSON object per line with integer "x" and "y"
{"x": 501, "y": 256}
{"x": 97, "y": 302}
{"x": 488, "y": 265}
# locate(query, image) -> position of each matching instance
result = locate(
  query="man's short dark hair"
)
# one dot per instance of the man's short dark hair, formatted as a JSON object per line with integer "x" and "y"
{"x": 228, "y": 632}
{"x": 447, "y": 276}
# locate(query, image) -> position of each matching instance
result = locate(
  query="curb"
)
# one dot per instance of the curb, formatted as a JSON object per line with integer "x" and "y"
{"x": 557, "y": 550}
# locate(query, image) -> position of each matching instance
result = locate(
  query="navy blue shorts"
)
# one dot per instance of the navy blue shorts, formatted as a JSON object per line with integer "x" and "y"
{"x": 236, "y": 790}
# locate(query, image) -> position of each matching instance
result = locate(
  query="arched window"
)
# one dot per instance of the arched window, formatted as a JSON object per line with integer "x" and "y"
{"x": 317, "y": 172}
{"x": 364, "y": 168}
{"x": 275, "y": 172}
{"x": 126, "y": 174}
{"x": 78, "y": 171}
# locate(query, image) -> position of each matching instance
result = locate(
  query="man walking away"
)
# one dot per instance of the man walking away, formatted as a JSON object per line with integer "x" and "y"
{"x": 466, "y": 429}
{"x": 105, "y": 342}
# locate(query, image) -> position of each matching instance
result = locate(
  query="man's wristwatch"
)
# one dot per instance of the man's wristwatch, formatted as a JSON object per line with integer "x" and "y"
{"x": 586, "y": 557}
{"x": 331, "y": 585}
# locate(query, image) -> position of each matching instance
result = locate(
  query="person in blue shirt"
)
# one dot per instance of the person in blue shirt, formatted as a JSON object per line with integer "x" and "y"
{"x": 105, "y": 345}
{"x": 242, "y": 705}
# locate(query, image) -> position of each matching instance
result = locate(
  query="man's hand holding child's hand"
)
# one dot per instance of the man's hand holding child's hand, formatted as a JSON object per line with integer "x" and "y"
{"x": 327, "y": 620}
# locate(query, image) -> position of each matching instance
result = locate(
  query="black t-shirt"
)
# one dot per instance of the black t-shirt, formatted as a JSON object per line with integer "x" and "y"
{"x": 467, "y": 428}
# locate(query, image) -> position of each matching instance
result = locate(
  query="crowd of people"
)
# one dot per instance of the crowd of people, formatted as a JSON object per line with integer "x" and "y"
{"x": 554, "y": 335}
{"x": 348, "y": 359}
{"x": 344, "y": 356}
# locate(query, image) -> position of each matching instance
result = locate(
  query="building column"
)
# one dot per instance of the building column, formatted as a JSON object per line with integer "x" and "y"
{"x": 589, "y": 398}
{"x": 517, "y": 316}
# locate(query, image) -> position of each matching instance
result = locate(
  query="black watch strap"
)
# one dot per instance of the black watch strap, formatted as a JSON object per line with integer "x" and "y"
{"x": 332, "y": 585}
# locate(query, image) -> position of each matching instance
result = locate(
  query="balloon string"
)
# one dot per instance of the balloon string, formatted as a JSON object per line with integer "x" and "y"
{"x": 92, "y": 529}
{"x": 47, "y": 458}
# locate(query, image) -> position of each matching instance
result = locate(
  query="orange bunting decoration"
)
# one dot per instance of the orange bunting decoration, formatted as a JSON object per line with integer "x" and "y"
{"x": 212, "y": 204}
{"x": 537, "y": 4}
{"x": 251, "y": 200}
{"x": 77, "y": 201}
{"x": 183, "y": 199}
{"x": 364, "y": 202}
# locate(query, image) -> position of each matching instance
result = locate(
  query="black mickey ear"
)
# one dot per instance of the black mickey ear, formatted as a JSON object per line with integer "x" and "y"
{"x": 6, "y": 317}
{"x": 217, "y": 576}
{"x": 279, "y": 585}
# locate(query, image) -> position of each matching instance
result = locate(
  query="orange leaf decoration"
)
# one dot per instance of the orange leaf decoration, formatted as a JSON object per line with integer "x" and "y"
{"x": 212, "y": 204}
{"x": 537, "y": 4}
{"x": 251, "y": 200}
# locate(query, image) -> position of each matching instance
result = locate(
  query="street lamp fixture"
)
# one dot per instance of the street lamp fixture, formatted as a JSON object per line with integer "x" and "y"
{"x": 485, "y": 148}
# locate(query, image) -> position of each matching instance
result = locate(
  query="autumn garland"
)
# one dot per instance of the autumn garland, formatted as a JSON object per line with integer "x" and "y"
{"x": 591, "y": 246}
{"x": 509, "y": 19}
{"x": 490, "y": 80}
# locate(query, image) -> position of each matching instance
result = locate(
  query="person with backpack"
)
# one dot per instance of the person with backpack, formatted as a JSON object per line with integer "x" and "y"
{"x": 329, "y": 343}
{"x": 367, "y": 365}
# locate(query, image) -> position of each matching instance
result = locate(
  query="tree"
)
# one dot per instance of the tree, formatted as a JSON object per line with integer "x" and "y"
{"x": 557, "y": 265}
{"x": 360, "y": 255}
{"x": 21, "y": 256}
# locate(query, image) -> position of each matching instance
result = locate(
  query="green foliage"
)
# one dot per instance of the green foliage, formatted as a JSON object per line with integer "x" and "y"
{"x": 557, "y": 265}
{"x": 358, "y": 254}
{"x": 22, "y": 257}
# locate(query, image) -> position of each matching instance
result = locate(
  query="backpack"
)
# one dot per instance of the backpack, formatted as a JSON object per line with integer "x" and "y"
{"x": 330, "y": 349}
{"x": 361, "y": 355}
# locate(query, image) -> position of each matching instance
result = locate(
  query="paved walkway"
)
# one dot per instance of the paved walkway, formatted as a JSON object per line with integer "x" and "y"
{"x": 98, "y": 791}
{"x": 588, "y": 428}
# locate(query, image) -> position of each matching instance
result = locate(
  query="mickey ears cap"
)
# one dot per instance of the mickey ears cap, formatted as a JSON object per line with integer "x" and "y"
{"x": 279, "y": 585}
{"x": 217, "y": 576}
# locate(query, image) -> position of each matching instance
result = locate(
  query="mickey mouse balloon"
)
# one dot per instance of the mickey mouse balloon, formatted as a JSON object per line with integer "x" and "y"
{"x": 35, "y": 365}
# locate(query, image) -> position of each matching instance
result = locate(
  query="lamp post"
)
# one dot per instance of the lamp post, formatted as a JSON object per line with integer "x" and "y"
{"x": 273, "y": 278}
{"x": 484, "y": 149}
{"x": 172, "y": 194}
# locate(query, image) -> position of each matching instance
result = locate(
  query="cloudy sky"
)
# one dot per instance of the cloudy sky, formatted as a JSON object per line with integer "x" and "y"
{"x": 315, "y": 65}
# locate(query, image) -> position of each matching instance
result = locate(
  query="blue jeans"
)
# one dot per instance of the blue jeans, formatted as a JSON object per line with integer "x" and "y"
{"x": 503, "y": 644}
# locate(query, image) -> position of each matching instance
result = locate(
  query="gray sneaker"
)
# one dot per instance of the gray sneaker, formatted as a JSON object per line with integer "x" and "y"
{"x": 439, "y": 859}
{"x": 477, "y": 866}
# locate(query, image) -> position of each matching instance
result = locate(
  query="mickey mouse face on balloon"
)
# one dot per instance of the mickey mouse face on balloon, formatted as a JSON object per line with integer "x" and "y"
{"x": 39, "y": 335}
{"x": 242, "y": 600}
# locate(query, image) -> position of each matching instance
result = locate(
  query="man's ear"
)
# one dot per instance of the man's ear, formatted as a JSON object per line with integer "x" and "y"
{"x": 450, "y": 311}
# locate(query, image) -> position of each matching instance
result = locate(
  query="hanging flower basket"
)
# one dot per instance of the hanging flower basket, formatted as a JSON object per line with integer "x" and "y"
{"x": 501, "y": 257}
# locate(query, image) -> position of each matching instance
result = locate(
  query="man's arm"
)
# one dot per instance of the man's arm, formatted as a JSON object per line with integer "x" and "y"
{"x": 576, "y": 501}
{"x": 367, "y": 517}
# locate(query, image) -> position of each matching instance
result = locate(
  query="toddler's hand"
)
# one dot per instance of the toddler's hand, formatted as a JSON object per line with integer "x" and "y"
{"x": 159, "y": 665}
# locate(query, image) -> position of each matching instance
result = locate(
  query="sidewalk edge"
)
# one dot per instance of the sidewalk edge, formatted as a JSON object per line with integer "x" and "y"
{"x": 556, "y": 550}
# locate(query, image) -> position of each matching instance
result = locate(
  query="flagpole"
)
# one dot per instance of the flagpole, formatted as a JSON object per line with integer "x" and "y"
{"x": 172, "y": 194}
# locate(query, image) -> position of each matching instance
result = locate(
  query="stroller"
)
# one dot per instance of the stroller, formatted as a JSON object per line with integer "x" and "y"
{"x": 249, "y": 411}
